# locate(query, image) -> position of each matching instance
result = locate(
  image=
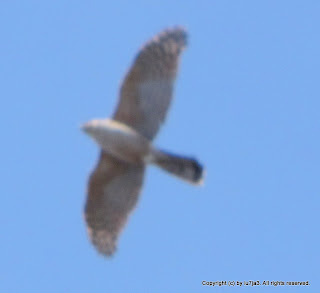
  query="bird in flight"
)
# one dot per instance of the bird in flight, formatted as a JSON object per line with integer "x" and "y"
{"x": 126, "y": 140}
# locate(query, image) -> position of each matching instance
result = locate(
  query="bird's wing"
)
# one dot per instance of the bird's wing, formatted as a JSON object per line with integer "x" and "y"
{"x": 148, "y": 86}
{"x": 113, "y": 191}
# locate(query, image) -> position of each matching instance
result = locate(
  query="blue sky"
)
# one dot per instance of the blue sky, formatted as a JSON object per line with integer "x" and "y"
{"x": 246, "y": 105}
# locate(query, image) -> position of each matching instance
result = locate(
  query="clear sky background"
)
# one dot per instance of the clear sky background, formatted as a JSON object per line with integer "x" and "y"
{"x": 246, "y": 105}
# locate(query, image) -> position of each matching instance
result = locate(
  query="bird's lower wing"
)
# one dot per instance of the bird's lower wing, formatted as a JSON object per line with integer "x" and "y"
{"x": 113, "y": 191}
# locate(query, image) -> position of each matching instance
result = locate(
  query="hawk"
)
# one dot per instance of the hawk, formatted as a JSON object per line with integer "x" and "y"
{"x": 126, "y": 140}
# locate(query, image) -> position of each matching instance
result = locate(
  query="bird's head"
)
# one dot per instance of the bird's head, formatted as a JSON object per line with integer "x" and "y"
{"x": 95, "y": 127}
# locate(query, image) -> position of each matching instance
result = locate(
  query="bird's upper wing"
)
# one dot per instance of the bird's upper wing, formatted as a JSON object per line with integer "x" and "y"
{"x": 148, "y": 86}
{"x": 113, "y": 191}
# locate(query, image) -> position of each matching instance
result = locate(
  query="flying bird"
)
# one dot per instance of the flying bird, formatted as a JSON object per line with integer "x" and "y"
{"x": 126, "y": 140}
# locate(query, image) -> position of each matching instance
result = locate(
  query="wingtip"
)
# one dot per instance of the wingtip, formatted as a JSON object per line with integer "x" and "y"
{"x": 178, "y": 33}
{"x": 104, "y": 242}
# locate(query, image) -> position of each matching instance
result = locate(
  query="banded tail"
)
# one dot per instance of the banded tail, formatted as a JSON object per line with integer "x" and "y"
{"x": 186, "y": 168}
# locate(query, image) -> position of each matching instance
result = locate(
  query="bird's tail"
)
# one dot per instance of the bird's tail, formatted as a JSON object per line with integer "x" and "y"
{"x": 186, "y": 168}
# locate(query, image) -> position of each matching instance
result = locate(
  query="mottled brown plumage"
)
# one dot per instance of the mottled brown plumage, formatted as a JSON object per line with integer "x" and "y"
{"x": 145, "y": 96}
{"x": 113, "y": 189}
{"x": 147, "y": 90}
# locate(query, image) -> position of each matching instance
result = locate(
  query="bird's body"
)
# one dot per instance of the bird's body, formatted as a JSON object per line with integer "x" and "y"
{"x": 119, "y": 140}
{"x": 126, "y": 140}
